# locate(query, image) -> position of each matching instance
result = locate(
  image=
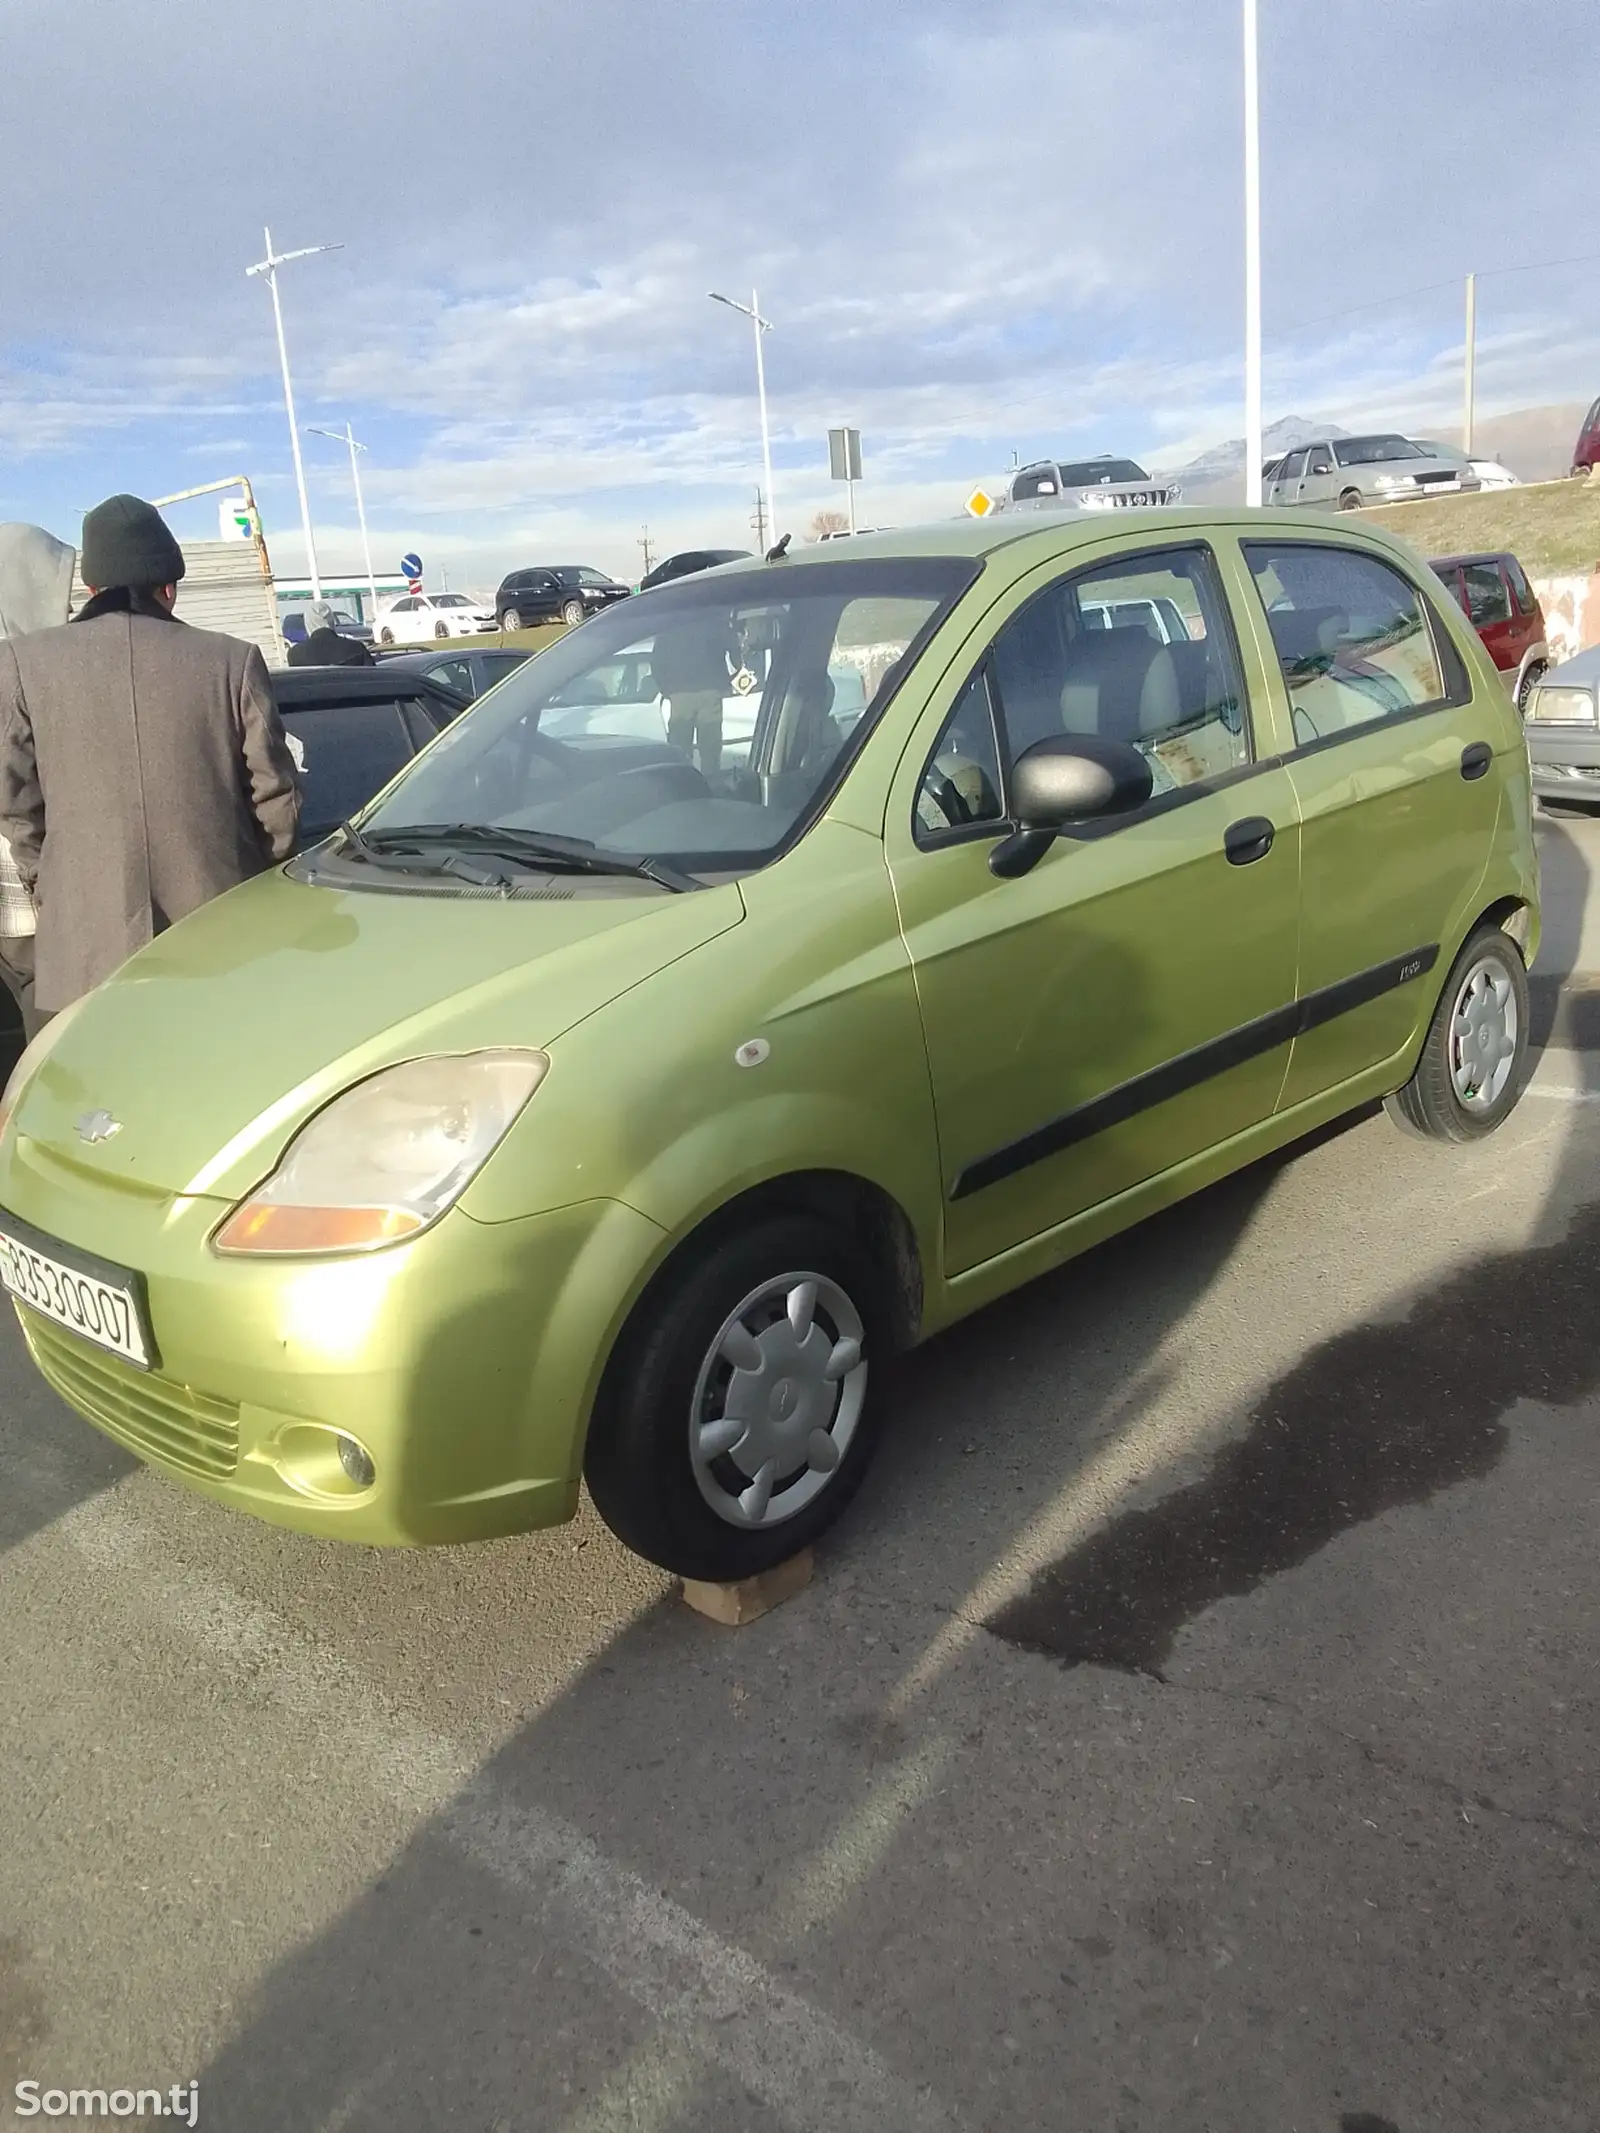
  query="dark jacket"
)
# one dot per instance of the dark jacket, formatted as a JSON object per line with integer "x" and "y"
{"x": 326, "y": 648}
{"x": 143, "y": 770}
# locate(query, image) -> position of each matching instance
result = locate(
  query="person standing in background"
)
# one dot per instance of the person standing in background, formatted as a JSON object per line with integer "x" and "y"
{"x": 35, "y": 594}
{"x": 143, "y": 765}
{"x": 324, "y": 647}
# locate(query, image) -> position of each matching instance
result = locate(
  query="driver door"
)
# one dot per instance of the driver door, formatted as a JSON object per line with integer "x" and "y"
{"x": 1128, "y": 1003}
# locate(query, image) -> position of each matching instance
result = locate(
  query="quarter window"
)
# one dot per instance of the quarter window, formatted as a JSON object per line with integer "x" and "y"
{"x": 1353, "y": 637}
{"x": 961, "y": 784}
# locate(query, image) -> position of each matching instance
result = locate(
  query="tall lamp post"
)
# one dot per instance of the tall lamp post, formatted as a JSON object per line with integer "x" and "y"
{"x": 269, "y": 267}
{"x": 1252, "y": 262}
{"x": 347, "y": 436}
{"x": 752, "y": 311}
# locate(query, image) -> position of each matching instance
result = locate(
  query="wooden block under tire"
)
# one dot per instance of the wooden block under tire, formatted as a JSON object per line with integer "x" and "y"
{"x": 751, "y": 1598}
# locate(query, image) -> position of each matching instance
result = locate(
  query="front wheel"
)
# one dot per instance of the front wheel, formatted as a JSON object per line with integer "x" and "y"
{"x": 736, "y": 1423}
{"x": 572, "y": 613}
{"x": 1530, "y": 681}
{"x": 511, "y": 619}
{"x": 1350, "y": 500}
{"x": 441, "y": 629}
{"x": 1469, "y": 1075}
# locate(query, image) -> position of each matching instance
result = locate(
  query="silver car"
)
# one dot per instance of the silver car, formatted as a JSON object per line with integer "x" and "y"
{"x": 1102, "y": 484}
{"x": 1347, "y": 473}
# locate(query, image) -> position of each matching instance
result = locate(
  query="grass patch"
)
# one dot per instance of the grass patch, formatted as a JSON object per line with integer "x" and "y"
{"x": 1551, "y": 527}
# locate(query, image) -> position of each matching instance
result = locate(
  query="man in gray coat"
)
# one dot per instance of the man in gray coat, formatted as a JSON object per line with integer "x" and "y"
{"x": 143, "y": 766}
{"x": 35, "y": 594}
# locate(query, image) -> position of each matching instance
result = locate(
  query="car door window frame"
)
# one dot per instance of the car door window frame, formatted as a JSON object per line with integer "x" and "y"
{"x": 1158, "y": 803}
{"x": 1454, "y": 672}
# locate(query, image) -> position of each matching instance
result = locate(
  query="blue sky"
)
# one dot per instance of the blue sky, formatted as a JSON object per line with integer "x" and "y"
{"x": 977, "y": 229}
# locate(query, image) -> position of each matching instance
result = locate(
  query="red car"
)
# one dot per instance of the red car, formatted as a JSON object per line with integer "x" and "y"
{"x": 1586, "y": 452}
{"x": 1493, "y": 593}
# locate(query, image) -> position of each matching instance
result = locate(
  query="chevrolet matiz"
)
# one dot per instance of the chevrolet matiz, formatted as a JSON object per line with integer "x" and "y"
{"x": 616, "y": 1093}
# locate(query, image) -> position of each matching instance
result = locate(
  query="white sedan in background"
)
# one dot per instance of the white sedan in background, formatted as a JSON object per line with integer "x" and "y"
{"x": 417, "y": 618}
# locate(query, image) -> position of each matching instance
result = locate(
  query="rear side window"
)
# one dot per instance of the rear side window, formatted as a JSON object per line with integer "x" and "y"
{"x": 1354, "y": 638}
{"x": 1292, "y": 467}
{"x": 1488, "y": 597}
{"x": 1521, "y": 590}
{"x": 345, "y": 753}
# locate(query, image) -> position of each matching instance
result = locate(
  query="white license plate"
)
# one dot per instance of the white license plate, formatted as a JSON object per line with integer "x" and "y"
{"x": 101, "y": 1305}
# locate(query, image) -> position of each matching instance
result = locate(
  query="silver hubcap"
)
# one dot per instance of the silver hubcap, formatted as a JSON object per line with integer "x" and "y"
{"x": 513, "y": 621}
{"x": 778, "y": 1400}
{"x": 1483, "y": 1036}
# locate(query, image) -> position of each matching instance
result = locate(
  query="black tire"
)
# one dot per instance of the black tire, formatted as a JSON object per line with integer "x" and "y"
{"x": 511, "y": 619}
{"x": 572, "y": 613}
{"x": 1530, "y": 681}
{"x": 1350, "y": 500}
{"x": 638, "y": 1460}
{"x": 1430, "y": 1103}
{"x": 386, "y": 636}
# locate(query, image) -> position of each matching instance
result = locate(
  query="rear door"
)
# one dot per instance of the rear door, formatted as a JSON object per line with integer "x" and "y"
{"x": 1390, "y": 753}
{"x": 1493, "y": 614}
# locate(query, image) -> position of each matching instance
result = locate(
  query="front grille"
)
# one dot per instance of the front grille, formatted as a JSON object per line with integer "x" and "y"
{"x": 149, "y": 1414}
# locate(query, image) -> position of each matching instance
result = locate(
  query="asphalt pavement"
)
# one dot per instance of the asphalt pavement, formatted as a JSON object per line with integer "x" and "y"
{"x": 1193, "y": 1729}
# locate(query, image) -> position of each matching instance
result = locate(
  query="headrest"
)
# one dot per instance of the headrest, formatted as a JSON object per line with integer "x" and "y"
{"x": 1120, "y": 685}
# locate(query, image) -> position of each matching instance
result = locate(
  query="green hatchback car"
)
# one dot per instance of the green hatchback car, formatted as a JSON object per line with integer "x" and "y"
{"x": 614, "y": 1096}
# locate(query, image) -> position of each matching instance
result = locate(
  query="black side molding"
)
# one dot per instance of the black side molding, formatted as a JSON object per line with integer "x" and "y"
{"x": 1175, "y": 1077}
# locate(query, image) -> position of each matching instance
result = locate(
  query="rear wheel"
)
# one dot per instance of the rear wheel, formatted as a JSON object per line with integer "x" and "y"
{"x": 736, "y": 1423}
{"x": 1350, "y": 500}
{"x": 441, "y": 629}
{"x": 572, "y": 613}
{"x": 511, "y": 619}
{"x": 1469, "y": 1076}
{"x": 386, "y": 636}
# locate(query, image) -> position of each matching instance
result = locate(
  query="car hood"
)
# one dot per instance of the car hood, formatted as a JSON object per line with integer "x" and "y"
{"x": 212, "y": 1045}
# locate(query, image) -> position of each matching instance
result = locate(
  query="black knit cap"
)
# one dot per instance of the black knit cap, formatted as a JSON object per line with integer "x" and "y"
{"x": 127, "y": 542}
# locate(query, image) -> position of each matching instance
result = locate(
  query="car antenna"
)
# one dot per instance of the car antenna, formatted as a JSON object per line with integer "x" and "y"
{"x": 779, "y": 549}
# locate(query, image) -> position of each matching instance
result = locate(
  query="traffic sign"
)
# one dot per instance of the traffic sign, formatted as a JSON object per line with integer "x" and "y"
{"x": 980, "y": 503}
{"x": 411, "y": 566}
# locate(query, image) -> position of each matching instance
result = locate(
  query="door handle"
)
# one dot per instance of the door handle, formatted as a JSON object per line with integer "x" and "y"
{"x": 1475, "y": 759}
{"x": 1248, "y": 839}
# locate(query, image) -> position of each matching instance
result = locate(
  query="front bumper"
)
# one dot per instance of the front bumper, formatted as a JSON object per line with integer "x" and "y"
{"x": 1565, "y": 762}
{"x": 464, "y": 1363}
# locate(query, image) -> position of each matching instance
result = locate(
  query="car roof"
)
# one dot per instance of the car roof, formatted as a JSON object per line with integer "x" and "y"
{"x": 1476, "y": 555}
{"x": 295, "y": 687}
{"x": 1072, "y": 527}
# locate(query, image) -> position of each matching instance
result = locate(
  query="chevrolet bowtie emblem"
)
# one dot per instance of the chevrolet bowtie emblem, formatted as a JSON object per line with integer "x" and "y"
{"x": 97, "y": 1126}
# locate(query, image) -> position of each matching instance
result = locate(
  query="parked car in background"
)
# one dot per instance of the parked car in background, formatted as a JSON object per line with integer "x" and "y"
{"x": 417, "y": 617}
{"x": 1586, "y": 452}
{"x": 592, "y": 1109}
{"x": 1099, "y": 484}
{"x": 350, "y": 729}
{"x": 1346, "y": 473}
{"x": 1562, "y": 722}
{"x": 292, "y": 623}
{"x": 1491, "y": 474}
{"x": 688, "y": 562}
{"x": 1493, "y": 592}
{"x": 465, "y": 672}
{"x": 559, "y": 592}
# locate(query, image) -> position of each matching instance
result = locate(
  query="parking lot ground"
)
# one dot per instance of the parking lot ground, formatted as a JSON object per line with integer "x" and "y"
{"x": 1193, "y": 1729}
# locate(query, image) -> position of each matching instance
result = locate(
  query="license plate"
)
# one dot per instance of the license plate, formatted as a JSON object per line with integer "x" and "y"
{"x": 100, "y": 1303}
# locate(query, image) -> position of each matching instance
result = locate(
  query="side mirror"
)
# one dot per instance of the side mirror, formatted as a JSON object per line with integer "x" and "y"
{"x": 1067, "y": 779}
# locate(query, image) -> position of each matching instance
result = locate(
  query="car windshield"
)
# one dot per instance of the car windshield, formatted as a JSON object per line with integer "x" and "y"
{"x": 1367, "y": 451}
{"x": 697, "y": 724}
{"x": 1091, "y": 473}
{"x": 452, "y": 600}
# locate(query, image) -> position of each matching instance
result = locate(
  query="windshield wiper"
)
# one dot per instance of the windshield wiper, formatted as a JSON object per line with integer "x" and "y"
{"x": 484, "y": 877}
{"x": 534, "y": 848}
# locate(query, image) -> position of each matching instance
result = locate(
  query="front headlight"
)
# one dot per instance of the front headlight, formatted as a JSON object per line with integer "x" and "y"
{"x": 386, "y": 1159}
{"x": 1393, "y": 481}
{"x": 1561, "y": 707}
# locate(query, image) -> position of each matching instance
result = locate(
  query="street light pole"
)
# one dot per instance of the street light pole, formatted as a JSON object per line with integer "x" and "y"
{"x": 269, "y": 267}
{"x": 1469, "y": 365}
{"x": 347, "y": 436}
{"x": 1252, "y": 262}
{"x": 752, "y": 311}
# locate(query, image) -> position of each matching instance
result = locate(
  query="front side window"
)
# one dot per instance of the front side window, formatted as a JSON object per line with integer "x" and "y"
{"x": 1488, "y": 599}
{"x": 1139, "y": 650}
{"x": 1353, "y": 637}
{"x": 701, "y": 723}
{"x": 1319, "y": 459}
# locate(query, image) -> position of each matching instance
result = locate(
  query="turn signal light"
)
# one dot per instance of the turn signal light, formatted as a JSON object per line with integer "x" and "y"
{"x": 263, "y": 1226}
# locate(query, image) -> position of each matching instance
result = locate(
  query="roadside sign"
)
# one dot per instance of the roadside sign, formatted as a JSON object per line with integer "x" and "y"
{"x": 844, "y": 455}
{"x": 411, "y": 571}
{"x": 980, "y": 503}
